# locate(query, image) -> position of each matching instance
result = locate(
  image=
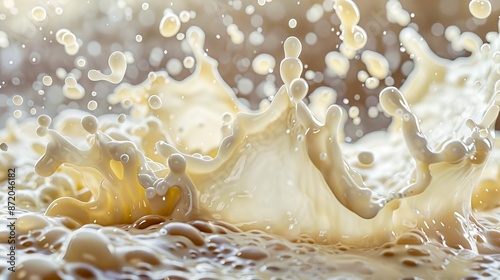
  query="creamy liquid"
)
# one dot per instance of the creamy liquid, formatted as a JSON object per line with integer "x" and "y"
{"x": 191, "y": 182}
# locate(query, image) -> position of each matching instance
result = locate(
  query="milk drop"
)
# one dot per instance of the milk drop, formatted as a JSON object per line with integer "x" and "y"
{"x": 117, "y": 63}
{"x": 377, "y": 64}
{"x": 17, "y": 114}
{"x": 121, "y": 118}
{"x": 263, "y": 64}
{"x": 70, "y": 82}
{"x": 154, "y": 102}
{"x": 292, "y": 23}
{"x": 72, "y": 89}
{"x": 188, "y": 62}
{"x": 353, "y": 112}
{"x": 480, "y": 9}
{"x": 365, "y": 158}
{"x": 47, "y": 80}
{"x": 372, "y": 83}
{"x": 337, "y": 63}
{"x": 353, "y": 36}
{"x": 396, "y": 13}
{"x": 92, "y": 105}
{"x": 184, "y": 16}
{"x": 314, "y": 13}
{"x": 17, "y": 100}
{"x": 44, "y": 120}
{"x": 38, "y": 13}
{"x": 4, "y": 146}
{"x": 170, "y": 25}
{"x": 66, "y": 38}
{"x": 245, "y": 86}
{"x": 81, "y": 62}
{"x": 362, "y": 76}
{"x": 89, "y": 123}
{"x": 292, "y": 47}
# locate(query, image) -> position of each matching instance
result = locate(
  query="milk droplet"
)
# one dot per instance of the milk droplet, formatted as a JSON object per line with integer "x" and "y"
{"x": 372, "y": 83}
{"x": 154, "y": 102}
{"x": 184, "y": 16}
{"x": 245, "y": 86}
{"x": 42, "y": 131}
{"x": 75, "y": 93}
{"x": 188, "y": 62}
{"x": 362, "y": 76}
{"x": 365, "y": 158}
{"x": 17, "y": 114}
{"x": 337, "y": 62}
{"x": 17, "y": 100}
{"x": 177, "y": 163}
{"x": 314, "y": 13}
{"x": 89, "y": 123}
{"x": 81, "y": 62}
{"x": 298, "y": 89}
{"x": 170, "y": 24}
{"x": 122, "y": 118}
{"x": 38, "y": 13}
{"x": 70, "y": 82}
{"x": 117, "y": 62}
{"x": 292, "y": 47}
{"x": 353, "y": 112}
{"x": 124, "y": 158}
{"x": 263, "y": 64}
{"x": 92, "y": 105}
{"x": 292, "y": 23}
{"x": 377, "y": 64}
{"x": 44, "y": 120}
{"x": 480, "y": 9}
{"x": 68, "y": 38}
{"x": 4, "y": 147}
{"x": 47, "y": 81}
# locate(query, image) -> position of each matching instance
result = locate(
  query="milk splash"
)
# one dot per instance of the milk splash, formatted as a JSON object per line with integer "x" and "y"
{"x": 192, "y": 151}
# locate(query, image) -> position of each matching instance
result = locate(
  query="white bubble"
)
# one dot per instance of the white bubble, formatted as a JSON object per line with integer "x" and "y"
{"x": 292, "y": 23}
